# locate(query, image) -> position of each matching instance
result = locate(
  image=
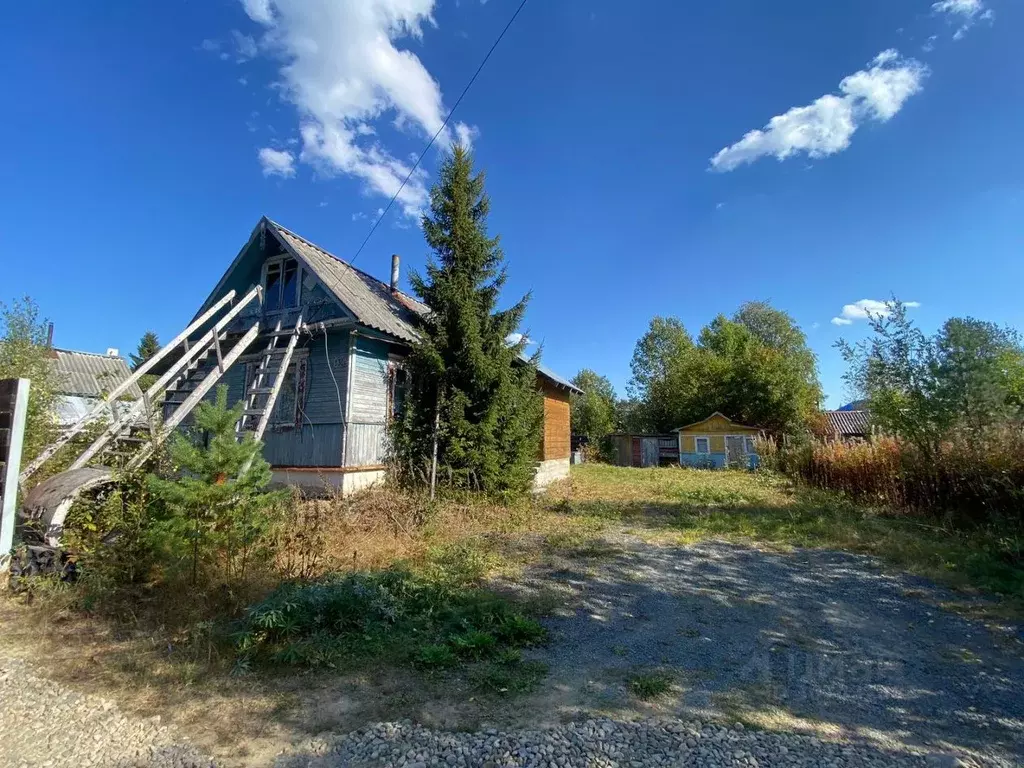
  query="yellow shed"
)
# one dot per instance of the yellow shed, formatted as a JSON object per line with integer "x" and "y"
{"x": 717, "y": 441}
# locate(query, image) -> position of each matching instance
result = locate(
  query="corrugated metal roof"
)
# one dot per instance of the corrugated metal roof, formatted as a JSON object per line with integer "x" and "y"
{"x": 89, "y": 375}
{"x": 554, "y": 377}
{"x": 368, "y": 298}
{"x": 848, "y": 422}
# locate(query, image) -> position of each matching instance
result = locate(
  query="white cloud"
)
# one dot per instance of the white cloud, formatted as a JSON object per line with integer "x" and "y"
{"x": 245, "y": 46}
{"x": 865, "y": 308}
{"x": 466, "y": 134}
{"x": 515, "y": 338}
{"x": 342, "y": 69}
{"x": 210, "y": 46}
{"x": 258, "y": 10}
{"x": 929, "y": 44}
{"x": 826, "y": 126}
{"x": 964, "y": 12}
{"x": 276, "y": 162}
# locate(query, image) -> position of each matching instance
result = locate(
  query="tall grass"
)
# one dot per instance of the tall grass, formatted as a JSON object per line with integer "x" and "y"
{"x": 969, "y": 479}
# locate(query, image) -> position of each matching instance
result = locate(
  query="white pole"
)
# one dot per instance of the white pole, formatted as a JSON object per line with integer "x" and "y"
{"x": 11, "y": 470}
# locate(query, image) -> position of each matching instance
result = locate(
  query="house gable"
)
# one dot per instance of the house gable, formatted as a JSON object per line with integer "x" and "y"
{"x": 265, "y": 246}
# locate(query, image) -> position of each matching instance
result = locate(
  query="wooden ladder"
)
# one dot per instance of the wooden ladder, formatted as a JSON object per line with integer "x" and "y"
{"x": 259, "y": 397}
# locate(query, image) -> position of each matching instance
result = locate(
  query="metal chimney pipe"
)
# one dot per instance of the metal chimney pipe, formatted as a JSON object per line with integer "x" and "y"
{"x": 49, "y": 336}
{"x": 395, "y": 263}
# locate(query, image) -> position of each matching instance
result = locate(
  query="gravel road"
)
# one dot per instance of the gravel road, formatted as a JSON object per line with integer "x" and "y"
{"x": 45, "y": 724}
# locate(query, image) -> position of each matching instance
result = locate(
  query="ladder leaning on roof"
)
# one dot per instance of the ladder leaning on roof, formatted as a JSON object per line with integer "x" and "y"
{"x": 192, "y": 376}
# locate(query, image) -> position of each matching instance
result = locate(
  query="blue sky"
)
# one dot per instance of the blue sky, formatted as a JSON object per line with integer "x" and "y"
{"x": 144, "y": 141}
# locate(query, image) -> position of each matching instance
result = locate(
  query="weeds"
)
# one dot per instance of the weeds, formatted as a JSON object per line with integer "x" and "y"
{"x": 647, "y": 686}
{"x": 410, "y": 618}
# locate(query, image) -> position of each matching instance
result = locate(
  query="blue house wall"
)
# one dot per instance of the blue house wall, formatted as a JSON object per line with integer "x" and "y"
{"x": 715, "y": 460}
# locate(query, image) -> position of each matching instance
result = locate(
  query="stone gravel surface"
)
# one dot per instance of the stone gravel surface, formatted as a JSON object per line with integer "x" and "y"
{"x": 47, "y": 725}
{"x": 602, "y": 743}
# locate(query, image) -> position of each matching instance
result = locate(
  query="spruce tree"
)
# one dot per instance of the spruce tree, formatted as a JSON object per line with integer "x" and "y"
{"x": 466, "y": 376}
{"x": 149, "y": 345}
{"x": 216, "y": 506}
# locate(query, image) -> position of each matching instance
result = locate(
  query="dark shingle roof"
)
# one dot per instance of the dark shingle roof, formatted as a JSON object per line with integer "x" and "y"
{"x": 848, "y": 422}
{"x": 89, "y": 375}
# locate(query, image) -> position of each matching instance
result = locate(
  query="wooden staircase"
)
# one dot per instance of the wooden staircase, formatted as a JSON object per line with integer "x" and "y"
{"x": 137, "y": 428}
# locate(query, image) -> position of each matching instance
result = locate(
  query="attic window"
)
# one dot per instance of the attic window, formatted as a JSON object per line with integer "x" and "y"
{"x": 281, "y": 285}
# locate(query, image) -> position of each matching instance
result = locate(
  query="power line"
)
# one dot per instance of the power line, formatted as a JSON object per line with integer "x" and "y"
{"x": 438, "y": 133}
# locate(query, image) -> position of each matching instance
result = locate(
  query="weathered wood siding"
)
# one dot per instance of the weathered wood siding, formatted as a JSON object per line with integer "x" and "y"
{"x": 556, "y": 438}
{"x": 315, "y": 439}
{"x": 366, "y": 428}
{"x": 716, "y": 428}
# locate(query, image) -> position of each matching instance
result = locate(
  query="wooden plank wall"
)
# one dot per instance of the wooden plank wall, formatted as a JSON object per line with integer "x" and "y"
{"x": 556, "y": 443}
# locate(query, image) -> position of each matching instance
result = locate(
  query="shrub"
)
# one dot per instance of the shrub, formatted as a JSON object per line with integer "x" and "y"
{"x": 408, "y": 616}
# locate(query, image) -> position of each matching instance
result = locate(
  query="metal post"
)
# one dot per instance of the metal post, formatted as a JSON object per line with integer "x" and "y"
{"x": 13, "y": 413}
{"x": 433, "y": 458}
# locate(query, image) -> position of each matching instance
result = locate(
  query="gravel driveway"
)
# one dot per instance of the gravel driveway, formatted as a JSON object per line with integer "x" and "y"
{"x": 45, "y": 724}
{"x": 847, "y": 664}
{"x": 853, "y": 665}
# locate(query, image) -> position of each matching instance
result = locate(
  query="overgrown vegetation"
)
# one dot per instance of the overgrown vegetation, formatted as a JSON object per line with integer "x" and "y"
{"x": 472, "y": 401}
{"x": 594, "y": 415}
{"x": 24, "y": 354}
{"x": 968, "y": 377}
{"x": 434, "y": 622}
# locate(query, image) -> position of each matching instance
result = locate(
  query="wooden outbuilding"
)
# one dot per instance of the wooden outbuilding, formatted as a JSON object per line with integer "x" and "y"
{"x": 717, "y": 442}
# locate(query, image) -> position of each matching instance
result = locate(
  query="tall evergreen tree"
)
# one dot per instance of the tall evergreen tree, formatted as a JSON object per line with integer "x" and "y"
{"x": 465, "y": 375}
{"x": 149, "y": 345}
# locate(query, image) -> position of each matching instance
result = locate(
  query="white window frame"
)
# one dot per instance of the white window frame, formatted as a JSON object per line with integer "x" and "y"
{"x": 748, "y": 445}
{"x": 299, "y": 276}
{"x": 696, "y": 444}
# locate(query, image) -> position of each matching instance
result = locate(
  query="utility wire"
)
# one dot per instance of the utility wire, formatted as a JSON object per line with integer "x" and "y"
{"x": 438, "y": 133}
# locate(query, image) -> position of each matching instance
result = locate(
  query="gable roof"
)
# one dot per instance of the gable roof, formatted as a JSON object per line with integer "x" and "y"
{"x": 86, "y": 374}
{"x": 708, "y": 418}
{"x": 369, "y": 299}
{"x": 848, "y": 422}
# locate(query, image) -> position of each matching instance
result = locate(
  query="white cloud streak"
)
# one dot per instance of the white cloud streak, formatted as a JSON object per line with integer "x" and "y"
{"x": 865, "y": 309}
{"x": 964, "y": 12}
{"x": 276, "y": 162}
{"x": 342, "y": 69}
{"x": 826, "y": 126}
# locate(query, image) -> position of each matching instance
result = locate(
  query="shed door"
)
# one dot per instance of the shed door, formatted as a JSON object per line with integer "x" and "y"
{"x": 636, "y": 453}
{"x": 734, "y": 447}
{"x": 650, "y": 452}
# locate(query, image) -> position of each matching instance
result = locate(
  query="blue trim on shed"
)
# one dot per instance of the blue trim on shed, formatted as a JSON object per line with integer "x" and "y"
{"x": 714, "y": 460}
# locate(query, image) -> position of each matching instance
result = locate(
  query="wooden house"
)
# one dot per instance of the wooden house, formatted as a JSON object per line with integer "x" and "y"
{"x": 717, "y": 442}
{"x": 345, "y": 380}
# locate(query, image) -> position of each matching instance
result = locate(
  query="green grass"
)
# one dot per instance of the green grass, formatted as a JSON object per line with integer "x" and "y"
{"x": 647, "y": 686}
{"x": 694, "y": 505}
{"x": 434, "y": 619}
